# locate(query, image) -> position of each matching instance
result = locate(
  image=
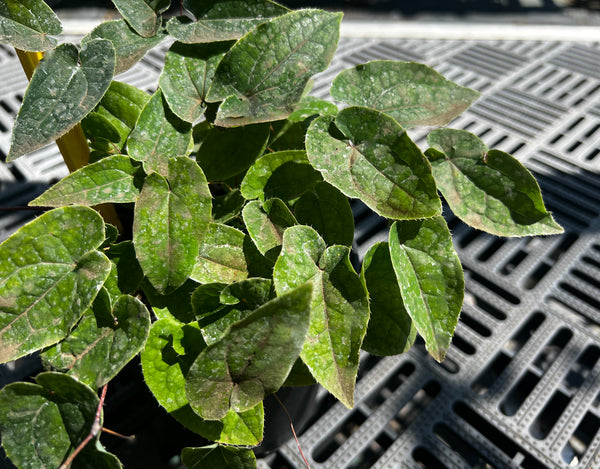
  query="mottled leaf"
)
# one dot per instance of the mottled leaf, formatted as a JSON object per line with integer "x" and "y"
{"x": 66, "y": 85}
{"x": 367, "y": 155}
{"x": 487, "y": 189}
{"x": 412, "y": 93}
{"x": 142, "y": 15}
{"x": 339, "y": 307}
{"x": 234, "y": 8}
{"x": 218, "y": 457}
{"x": 201, "y": 31}
{"x": 26, "y": 24}
{"x": 430, "y": 278}
{"x": 50, "y": 273}
{"x": 264, "y": 74}
{"x": 253, "y": 359}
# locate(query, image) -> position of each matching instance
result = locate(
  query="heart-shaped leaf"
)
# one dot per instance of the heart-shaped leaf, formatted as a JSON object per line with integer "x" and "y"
{"x": 487, "y": 189}
{"x": 390, "y": 330}
{"x": 413, "y": 94}
{"x": 50, "y": 272}
{"x": 264, "y": 74}
{"x": 253, "y": 359}
{"x": 171, "y": 217}
{"x": 109, "y": 180}
{"x": 99, "y": 347}
{"x": 367, "y": 155}
{"x": 218, "y": 457}
{"x": 430, "y": 278}
{"x": 26, "y": 24}
{"x": 339, "y": 307}
{"x": 66, "y": 85}
{"x": 143, "y": 15}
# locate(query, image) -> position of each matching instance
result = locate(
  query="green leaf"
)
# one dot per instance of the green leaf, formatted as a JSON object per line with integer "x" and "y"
{"x": 65, "y": 86}
{"x": 98, "y": 348}
{"x": 266, "y": 223}
{"x": 487, "y": 189}
{"x": 285, "y": 175}
{"x": 170, "y": 219}
{"x": 26, "y": 24}
{"x": 108, "y": 180}
{"x": 253, "y": 359}
{"x": 142, "y": 15}
{"x": 328, "y": 211}
{"x": 430, "y": 278}
{"x": 42, "y": 423}
{"x": 339, "y": 307}
{"x": 159, "y": 135}
{"x": 176, "y": 304}
{"x": 187, "y": 31}
{"x": 218, "y": 457}
{"x": 221, "y": 257}
{"x": 390, "y": 330}
{"x": 411, "y": 93}
{"x": 50, "y": 273}
{"x": 214, "y": 9}
{"x": 130, "y": 274}
{"x": 228, "y": 206}
{"x": 129, "y": 46}
{"x": 367, "y": 155}
{"x": 225, "y": 153}
{"x": 264, "y": 74}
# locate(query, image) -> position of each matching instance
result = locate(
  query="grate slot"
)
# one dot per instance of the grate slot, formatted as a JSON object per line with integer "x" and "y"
{"x": 492, "y": 287}
{"x": 475, "y": 325}
{"x": 462, "y": 447}
{"x": 547, "y": 418}
{"x": 411, "y": 410}
{"x": 426, "y": 460}
{"x": 323, "y": 451}
{"x": 580, "y": 440}
{"x": 389, "y": 386}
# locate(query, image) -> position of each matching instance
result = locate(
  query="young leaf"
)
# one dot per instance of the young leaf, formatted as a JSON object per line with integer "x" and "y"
{"x": 430, "y": 278}
{"x": 264, "y": 74}
{"x": 221, "y": 257}
{"x": 159, "y": 135}
{"x": 143, "y": 15}
{"x": 171, "y": 217}
{"x": 390, "y": 330}
{"x": 253, "y": 359}
{"x": 108, "y": 180}
{"x": 42, "y": 423}
{"x": 186, "y": 76}
{"x": 26, "y": 24}
{"x": 339, "y": 307}
{"x": 413, "y": 94}
{"x": 50, "y": 272}
{"x": 367, "y": 155}
{"x": 218, "y": 457}
{"x": 130, "y": 47}
{"x": 65, "y": 86}
{"x": 487, "y": 189}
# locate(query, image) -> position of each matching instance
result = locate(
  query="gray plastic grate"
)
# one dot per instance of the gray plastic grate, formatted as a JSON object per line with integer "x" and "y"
{"x": 520, "y": 386}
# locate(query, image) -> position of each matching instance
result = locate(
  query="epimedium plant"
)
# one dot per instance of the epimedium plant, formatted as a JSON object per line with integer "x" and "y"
{"x": 226, "y": 261}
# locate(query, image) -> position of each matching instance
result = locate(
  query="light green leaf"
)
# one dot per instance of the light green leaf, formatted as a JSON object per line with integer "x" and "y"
{"x": 170, "y": 219}
{"x": 339, "y": 307}
{"x": 26, "y": 24}
{"x": 285, "y": 174}
{"x": 108, "y": 180}
{"x": 142, "y": 15}
{"x": 42, "y": 423}
{"x": 264, "y": 74}
{"x": 210, "y": 30}
{"x": 99, "y": 347}
{"x": 159, "y": 135}
{"x": 221, "y": 257}
{"x": 234, "y": 8}
{"x": 411, "y": 93}
{"x": 65, "y": 86}
{"x": 367, "y": 155}
{"x": 487, "y": 189}
{"x": 430, "y": 278}
{"x": 253, "y": 359}
{"x": 218, "y": 457}
{"x": 129, "y": 46}
{"x": 50, "y": 272}
{"x": 328, "y": 211}
{"x": 390, "y": 330}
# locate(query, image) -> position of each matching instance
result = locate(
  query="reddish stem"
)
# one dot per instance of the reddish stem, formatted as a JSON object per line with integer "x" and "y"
{"x": 293, "y": 430}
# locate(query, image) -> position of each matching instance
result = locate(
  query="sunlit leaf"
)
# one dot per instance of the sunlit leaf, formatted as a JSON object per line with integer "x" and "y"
{"x": 218, "y": 457}
{"x": 26, "y": 25}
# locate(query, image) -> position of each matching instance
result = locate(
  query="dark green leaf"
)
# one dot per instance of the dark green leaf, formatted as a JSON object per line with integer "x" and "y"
{"x": 430, "y": 278}
{"x": 214, "y": 9}
{"x": 367, "y": 155}
{"x": 412, "y": 93}
{"x": 487, "y": 189}
{"x": 390, "y": 329}
{"x": 339, "y": 307}
{"x": 26, "y": 24}
{"x": 218, "y": 457}
{"x": 228, "y": 206}
{"x": 50, "y": 273}
{"x": 210, "y": 30}
{"x": 130, "y": 274}
{"x": 253, "y": 359}
{"x": 264, "y": 74}
{"x": 142, "y": 15}
{"x": 176, "y": 304}
{"x": 65, "y": 86}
